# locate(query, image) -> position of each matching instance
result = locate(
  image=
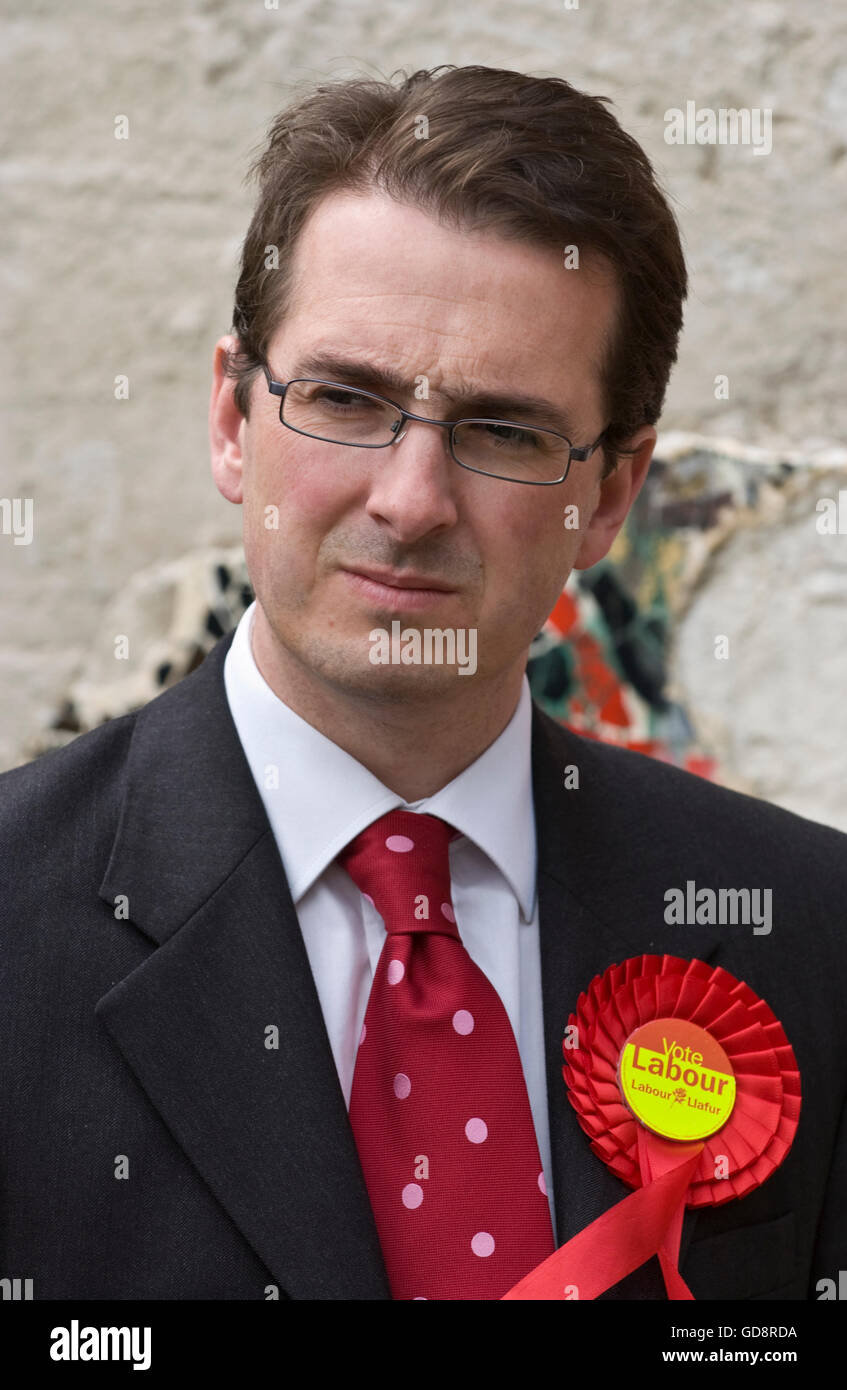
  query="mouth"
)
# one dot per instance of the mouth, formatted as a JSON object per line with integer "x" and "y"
{"x": 400, "y": 590}
{"x": 403, "y": 579}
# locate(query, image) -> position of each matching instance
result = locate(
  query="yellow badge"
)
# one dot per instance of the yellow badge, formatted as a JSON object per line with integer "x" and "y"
{"x": 676, "y": 1079}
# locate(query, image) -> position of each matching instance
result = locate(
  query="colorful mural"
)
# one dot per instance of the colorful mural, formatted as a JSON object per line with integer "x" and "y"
{"x": 598, "y": 666}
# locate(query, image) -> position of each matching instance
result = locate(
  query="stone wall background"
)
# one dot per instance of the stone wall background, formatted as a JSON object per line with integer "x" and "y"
{"x": 120, "y": 257}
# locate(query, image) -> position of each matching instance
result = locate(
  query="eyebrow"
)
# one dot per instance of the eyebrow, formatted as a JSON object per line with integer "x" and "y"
{"x": 504, "y": 406}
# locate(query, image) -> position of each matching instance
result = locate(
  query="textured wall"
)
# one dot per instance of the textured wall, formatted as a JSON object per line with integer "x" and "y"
{"x": 119, "y": 256}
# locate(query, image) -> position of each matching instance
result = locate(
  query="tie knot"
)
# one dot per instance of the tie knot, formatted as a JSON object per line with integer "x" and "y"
{"x": 401, "y": 862}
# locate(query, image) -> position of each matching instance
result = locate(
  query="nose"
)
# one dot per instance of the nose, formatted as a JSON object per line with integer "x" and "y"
{"x": 413, "y": 488}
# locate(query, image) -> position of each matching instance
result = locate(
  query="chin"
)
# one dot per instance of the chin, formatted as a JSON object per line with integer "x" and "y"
{"x": 353, "y": 673}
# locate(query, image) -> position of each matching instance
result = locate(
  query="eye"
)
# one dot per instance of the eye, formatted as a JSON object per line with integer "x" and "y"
{"x": 512, "y": 436}
{"x": 339, "y": 399}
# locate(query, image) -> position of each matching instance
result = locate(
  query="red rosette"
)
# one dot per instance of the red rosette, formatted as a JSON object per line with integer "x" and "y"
{"x": 758, "y": 1133}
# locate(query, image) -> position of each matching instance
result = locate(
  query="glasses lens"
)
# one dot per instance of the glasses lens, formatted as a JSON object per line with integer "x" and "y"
{"x": 511, "y": 451}
{"x": 338, "y": 413}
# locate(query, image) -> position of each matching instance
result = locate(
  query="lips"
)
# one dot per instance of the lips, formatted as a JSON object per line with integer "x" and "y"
{"x": 396, "y": 592}
{"x": 402, "y": 579}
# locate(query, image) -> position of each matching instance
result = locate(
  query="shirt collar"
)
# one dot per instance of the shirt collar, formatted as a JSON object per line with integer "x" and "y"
{"x": 317, "y": 797}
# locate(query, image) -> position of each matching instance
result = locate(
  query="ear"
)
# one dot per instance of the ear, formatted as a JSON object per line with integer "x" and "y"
{"x": 616, "y": 495}
{"x": 226, "y": 426}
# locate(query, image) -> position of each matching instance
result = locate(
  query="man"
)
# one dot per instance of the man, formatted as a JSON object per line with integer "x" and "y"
{"x": 217, "y": 948}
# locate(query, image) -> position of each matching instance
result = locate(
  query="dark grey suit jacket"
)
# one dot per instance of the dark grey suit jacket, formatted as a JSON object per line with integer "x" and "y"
{"x": 136, "y": 1043}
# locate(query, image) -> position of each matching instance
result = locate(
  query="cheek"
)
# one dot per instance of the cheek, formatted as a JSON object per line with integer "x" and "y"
{"x": 528, "y": 555}
{"x": 291, "y": 491}
{"x": 542, "y": 547}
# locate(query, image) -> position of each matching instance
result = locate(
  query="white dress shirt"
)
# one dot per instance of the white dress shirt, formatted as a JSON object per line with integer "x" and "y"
{"x": 317, "y": 798}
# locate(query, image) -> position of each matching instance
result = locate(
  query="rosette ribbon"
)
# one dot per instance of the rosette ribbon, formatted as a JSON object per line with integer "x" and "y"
{"x": 668, "y": 1175}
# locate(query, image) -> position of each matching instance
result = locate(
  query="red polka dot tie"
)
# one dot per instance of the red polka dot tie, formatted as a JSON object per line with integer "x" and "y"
{"x": 439, "y": 1106}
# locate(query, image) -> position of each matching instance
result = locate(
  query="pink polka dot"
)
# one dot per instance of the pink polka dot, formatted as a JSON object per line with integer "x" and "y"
{"x": 396, "y": 971}
{"x": 370, "y": 899}
{"x": 401, "y": 844}
{"x": 483, "y": 1244}
{"x": 542, "y": 1184}
{"x": 412, "y": 1195}
{"x": 419, "y": 1298}
{"x": 476, "y": 1130}
{"x": 362, "y": 1035}
{"x": 447, "y": 911}
{"x": 463, "y": 1022}
{"x": 402, "y": 1085}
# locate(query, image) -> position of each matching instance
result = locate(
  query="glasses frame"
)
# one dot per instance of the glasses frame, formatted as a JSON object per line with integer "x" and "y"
{"x": 580, "y": 454}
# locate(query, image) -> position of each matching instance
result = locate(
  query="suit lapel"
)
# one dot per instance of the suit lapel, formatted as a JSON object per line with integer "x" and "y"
{"x": 266, "y": 1126}
{"x": 600, "y": 902}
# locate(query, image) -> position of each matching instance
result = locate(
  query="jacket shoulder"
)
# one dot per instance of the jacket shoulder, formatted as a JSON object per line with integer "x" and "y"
{"x": 63, "y": 786}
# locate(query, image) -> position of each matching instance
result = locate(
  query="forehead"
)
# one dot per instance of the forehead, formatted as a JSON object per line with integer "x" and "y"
{"x": 466, "y": 309}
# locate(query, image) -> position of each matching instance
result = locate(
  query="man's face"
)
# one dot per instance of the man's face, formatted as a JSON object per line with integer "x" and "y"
{"x": 461, "y": 315}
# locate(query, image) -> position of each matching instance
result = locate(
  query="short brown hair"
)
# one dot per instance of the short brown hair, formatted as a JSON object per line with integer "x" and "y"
{"x": 529, "y": 158}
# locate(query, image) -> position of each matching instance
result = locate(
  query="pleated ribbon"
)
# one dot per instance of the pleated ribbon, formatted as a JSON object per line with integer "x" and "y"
{"x": 668, "y": 1175}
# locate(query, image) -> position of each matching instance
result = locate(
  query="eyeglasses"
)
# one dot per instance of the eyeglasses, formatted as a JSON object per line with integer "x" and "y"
{"x": 339, "y": 414}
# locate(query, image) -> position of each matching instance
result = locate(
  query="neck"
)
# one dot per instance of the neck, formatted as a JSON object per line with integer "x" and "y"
{"x": 414, "y": 744}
